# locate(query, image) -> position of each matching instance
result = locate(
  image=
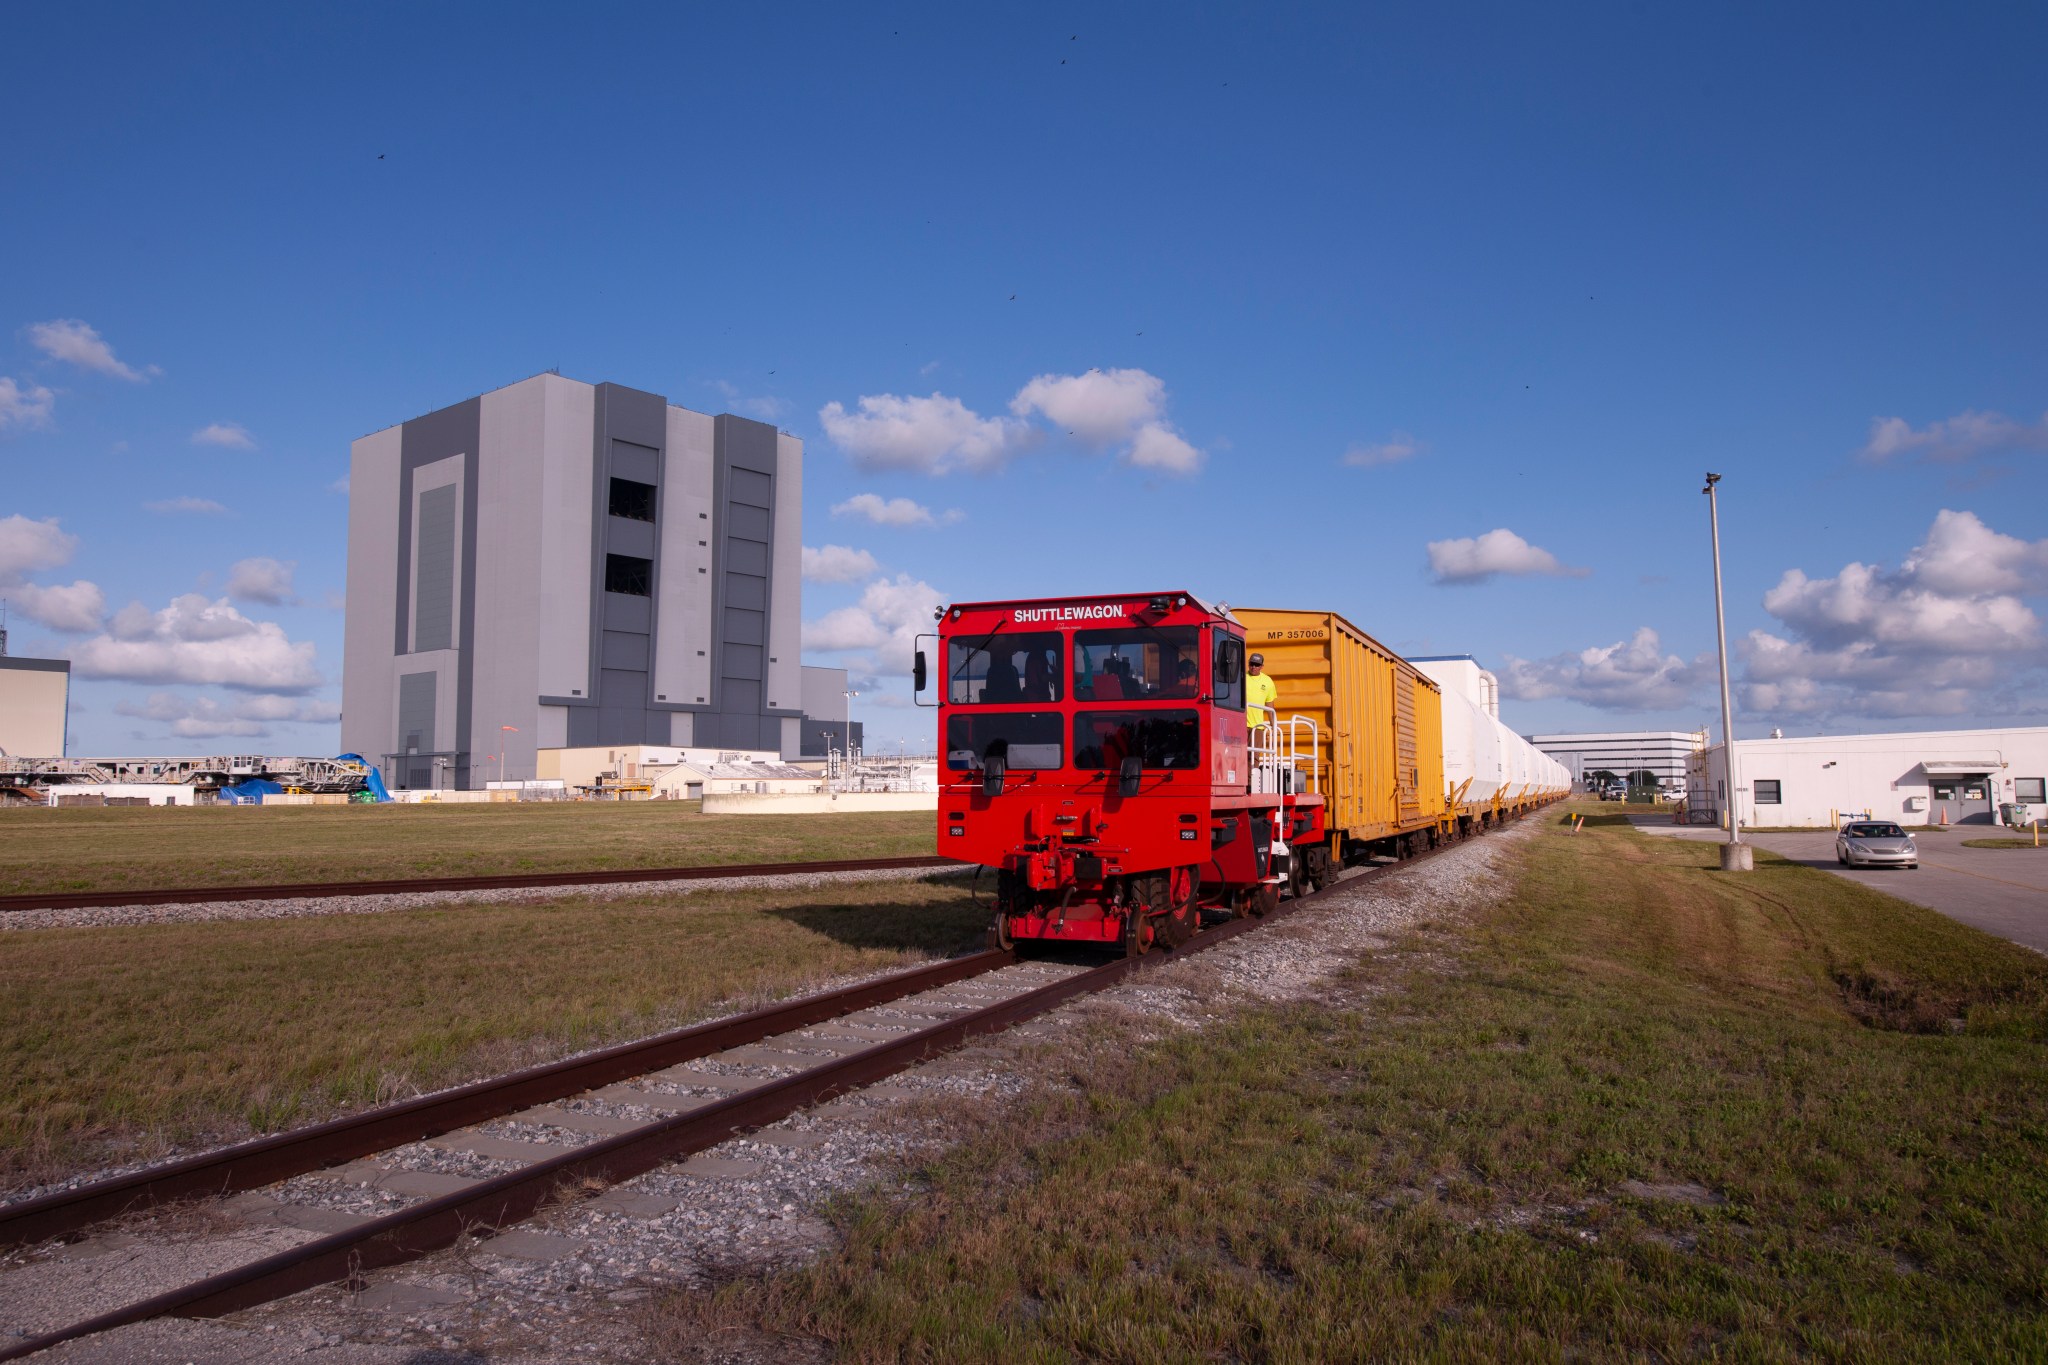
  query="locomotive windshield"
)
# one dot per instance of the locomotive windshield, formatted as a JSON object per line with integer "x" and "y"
{"x": 1023, "y": 739}
{"x": 1138, "y": 663}
{"x": 1160, "y": 739}
{"x": 1008, "y": 667}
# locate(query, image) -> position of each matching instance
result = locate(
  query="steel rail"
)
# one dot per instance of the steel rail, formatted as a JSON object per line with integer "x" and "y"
{"x": 264, "y": 1161}
{"x": 503, "y": 1201}
{"x": 510, "y": 881}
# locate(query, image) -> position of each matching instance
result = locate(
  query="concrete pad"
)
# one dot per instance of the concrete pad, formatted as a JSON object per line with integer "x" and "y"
{"x": 719, "y": 1167}
{"x": 837, "y": 1047}
{"x": 497, "y": 1148}
{"x": 605, "y": 1125}
{"x": 782, "y": 1137}
{"x": 761, "y": 1055}
{"x": 525, "y": 1245}
{"x": 677, "y": 1075}
{"x": 256, "y": 1207}
{"x": 633, "y": 1203}
{"x": 423, "y": 1184}
{"x": 623, "y": 1093}
{"x": 408, "y": 1296}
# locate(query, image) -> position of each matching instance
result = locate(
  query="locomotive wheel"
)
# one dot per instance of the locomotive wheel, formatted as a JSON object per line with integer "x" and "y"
{"x": 1264, "y": 900}
{"x": 1297, "y": 876}
{"x": 1182, "y": 886}
{"x": 999, "y": 934}
{"x": 1137, "y": 932}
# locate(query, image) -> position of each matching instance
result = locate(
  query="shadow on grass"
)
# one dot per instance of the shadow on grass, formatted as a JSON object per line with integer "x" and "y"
{"x": 948, "y": 929}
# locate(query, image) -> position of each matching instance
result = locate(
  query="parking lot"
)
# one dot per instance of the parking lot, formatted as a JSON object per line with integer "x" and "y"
{"x": 2001, "y": 891}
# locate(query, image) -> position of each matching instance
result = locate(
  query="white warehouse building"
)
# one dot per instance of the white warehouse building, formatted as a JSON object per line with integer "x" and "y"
{"x": 1958, "y": 777}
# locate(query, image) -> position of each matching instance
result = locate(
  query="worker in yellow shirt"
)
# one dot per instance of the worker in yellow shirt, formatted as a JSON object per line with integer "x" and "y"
{"x": 1259, "y": 694}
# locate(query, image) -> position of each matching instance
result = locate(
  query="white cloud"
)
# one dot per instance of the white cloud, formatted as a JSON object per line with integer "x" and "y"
{"x": 928, "y": 435}
{"x": 76, "y": 343}
{"x": 838, "y": 564}
{"x": 198, "y": 507}
{"x": 1396, "y": 448}
{"x": 1158, "y": 446}
{"x": 1628, "y": 675}
{"x": 231, "y": 435}
{"x": 1500, "y": 551}
{"x": 898, "y": 512}
{"x": 1101, "y": 409}
{"x": 1947, "y": 634}
{"x": 262, "y": 579}
{"x": 28, "y": 546}
{"x": 340, "y": 486}
{"x": 882, "y": 627}
{"x": 1952, "y": 439}
{"x": 194, "y": 640}
{"x": 25, "y": 407}
{"x": 759, "y": 407}
{"x": 77, "y": 607}
{"x": 210, "y": 718}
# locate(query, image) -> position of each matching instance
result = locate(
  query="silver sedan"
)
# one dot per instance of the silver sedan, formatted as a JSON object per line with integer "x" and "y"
{"x": 1875, "y": 843}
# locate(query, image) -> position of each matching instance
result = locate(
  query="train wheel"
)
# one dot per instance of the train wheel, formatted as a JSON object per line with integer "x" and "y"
{"x": 1137, "y": 932}
{"x": 1297, "y": 875}
{"x": 1177, "y": 893}
{"x": 999, "y": 934}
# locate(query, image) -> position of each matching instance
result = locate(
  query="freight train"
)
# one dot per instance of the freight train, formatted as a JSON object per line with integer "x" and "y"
{"x": 1097, "y": 755}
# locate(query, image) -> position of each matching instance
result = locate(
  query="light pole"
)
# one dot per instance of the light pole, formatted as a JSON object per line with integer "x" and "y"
{"x": 1735, "y": 855}
{"x": 501, "y": 748}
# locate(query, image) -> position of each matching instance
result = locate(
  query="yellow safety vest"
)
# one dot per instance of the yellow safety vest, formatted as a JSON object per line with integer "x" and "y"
{"x": 1259, "y": 695}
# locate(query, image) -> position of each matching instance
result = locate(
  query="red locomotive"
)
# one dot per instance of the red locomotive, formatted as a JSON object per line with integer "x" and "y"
{"x": 1095, "y": 753}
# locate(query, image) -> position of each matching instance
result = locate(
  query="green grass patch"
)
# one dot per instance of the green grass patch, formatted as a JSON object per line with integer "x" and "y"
{"x": 111, "y": 848}
{"x": 1643, "y": 1109}
{"x": 117, "y": 1042}
{"x": 2028, "y": 842}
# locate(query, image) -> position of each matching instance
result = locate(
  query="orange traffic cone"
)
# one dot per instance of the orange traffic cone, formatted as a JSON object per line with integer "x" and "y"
{"x": 1944, "y": 817}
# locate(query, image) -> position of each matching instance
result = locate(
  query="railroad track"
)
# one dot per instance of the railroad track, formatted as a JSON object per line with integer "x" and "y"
{"x": 511, "y": 881}
{"x": 857, "y": 1056}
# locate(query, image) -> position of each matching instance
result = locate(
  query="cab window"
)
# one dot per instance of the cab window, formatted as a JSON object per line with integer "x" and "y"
{"x": 1227, "y": 678}
{"x": 1005, "y": 668}
{"x": 1139, "y": 663}
{"x": 1160, "y": 739}
{"x": 1022, "y": 739}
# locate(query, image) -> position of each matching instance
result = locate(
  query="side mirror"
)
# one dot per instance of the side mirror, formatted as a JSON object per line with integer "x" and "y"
{"x": 993, "y": 769}
{"x": 918, "y": 675}
{"x": 1128, "y": 775}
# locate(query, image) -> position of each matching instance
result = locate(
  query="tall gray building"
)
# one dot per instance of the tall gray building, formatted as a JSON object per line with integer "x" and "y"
{"x": 587, "y": 564}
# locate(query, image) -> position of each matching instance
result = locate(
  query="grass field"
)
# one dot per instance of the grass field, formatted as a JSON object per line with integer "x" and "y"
{"x": 93, "y": 849}
{"x": 2030, "y": 841}
{"x": 115, "y": 1043}
{"x": 1642, "y": 1109}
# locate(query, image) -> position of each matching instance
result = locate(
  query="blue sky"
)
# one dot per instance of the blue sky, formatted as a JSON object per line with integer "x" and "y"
{"x": 1432, "y": 316}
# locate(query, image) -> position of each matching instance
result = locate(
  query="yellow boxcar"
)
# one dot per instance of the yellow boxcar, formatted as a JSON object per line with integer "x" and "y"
{"x": 1380, "y": 720}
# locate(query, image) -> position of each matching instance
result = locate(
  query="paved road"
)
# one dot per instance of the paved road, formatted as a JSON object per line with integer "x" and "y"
{"x": 2001, "y": 891}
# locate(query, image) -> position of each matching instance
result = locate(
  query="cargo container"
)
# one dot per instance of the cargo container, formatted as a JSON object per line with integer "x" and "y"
{"x": 1380, "y": 723}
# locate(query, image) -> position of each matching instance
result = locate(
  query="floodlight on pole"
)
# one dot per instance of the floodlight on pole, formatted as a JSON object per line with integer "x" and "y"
{"x": 1735, "y": 855}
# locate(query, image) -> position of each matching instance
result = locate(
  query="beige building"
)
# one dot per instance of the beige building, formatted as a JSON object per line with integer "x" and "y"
{"x": 34, "y": 695}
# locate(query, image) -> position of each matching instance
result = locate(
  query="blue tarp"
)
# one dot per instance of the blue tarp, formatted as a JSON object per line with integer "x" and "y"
{"x": 372, "y": 779}
{"x": 250, "y": 793}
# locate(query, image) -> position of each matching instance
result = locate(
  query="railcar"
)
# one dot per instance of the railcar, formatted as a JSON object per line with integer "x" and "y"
{"x": 1095, "y": 754}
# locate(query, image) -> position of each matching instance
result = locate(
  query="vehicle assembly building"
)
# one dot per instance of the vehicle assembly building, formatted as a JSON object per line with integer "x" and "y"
{"x": 564, "y": 565}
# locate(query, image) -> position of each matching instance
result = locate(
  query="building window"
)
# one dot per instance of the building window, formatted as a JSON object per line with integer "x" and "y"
{"x": 634, "y": 501}
{"x": 2032, "y": 790}
{"x": 629, "y": 574}
{"x": 1767, "y": 793}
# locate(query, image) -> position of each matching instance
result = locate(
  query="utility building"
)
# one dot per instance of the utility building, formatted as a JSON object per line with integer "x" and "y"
{"x": 34, "y": 702}
{"x": 586, "y": 564}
